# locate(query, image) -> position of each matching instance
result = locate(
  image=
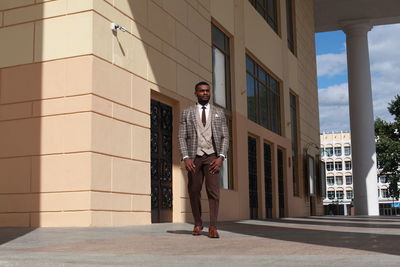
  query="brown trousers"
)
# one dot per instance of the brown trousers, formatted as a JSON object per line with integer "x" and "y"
{"x": 195, "y": 184}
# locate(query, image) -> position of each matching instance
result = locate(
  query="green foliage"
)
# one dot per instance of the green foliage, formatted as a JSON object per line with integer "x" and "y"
{"x": 388, "y": 147}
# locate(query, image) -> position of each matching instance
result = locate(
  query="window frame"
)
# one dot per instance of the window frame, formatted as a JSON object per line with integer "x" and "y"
{"x": 228, "y": 95}
{"x": 295, "y": 141}
{"x": 329, "y": 163}
{"x": 291, "y": 26}
{"x": 351, "y": 177}
{"x": 273, "y": 124}
{"x": 337, "y": 148}
{"x": 273, "y": 23}
{"x": 347, "y": 194}
{"x": 339, "y": 163}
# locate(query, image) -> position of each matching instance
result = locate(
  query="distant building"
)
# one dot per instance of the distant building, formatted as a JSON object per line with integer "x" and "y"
{"x": 336, "y": 154}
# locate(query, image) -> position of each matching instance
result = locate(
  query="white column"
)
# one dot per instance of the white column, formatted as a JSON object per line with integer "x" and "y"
{"x": 361, "y": 119}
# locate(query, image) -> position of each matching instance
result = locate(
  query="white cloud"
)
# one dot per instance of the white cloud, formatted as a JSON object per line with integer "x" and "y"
{"x": 384, "y": 43}
{"x": 331, "y": 64}
{"x": 334, "y": 108}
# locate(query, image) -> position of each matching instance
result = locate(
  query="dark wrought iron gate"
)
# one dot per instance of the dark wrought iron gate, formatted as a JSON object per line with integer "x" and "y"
{"x": 253, "y": 192}
{"x": 281, "y": 185}
{"x": 161, "y": 162}
{"x": 268, "y": 180}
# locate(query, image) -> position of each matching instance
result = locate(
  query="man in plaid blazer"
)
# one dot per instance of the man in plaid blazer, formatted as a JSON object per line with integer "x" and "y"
{"x": 203, "y": 144}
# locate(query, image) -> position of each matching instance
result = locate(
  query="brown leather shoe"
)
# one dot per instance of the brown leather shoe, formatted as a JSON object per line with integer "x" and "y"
{"x": 197, "y": 230}
{"x": 213, "y": 233}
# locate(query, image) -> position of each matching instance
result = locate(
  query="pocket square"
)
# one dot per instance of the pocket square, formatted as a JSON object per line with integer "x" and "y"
{"x": 216, "y": 115}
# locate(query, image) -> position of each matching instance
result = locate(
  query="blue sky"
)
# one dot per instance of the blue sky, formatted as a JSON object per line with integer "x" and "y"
{"x": 384, "y": 43}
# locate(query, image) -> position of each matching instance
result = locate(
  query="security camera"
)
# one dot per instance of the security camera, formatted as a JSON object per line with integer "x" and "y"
{"x": 115, "y": 27}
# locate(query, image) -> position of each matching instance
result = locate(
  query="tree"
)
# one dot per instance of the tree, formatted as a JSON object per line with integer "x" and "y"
{"x": 388, "y": 147}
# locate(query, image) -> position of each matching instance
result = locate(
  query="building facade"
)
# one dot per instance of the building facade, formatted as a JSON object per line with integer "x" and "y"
{"x": 336, "y": 154}
{"x": 89, "y": 111}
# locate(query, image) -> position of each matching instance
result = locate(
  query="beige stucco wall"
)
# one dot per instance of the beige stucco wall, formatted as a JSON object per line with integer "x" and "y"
{"x": 75, "y": 130}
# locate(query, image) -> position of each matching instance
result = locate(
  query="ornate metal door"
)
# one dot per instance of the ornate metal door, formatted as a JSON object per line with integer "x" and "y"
{"x": 281, "y": 185}
{"x": 161, "y": 162}
{"x": 268, "y": 180}
{"x": 253, "y": 192}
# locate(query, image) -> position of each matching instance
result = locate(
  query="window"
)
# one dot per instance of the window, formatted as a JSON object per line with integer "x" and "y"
{"x": 339, "y": 194}
{"x": 349, "y": 179}
{"x": 221, "y": 68}
{"x": 329, "y": 166}
{"x": 330, "y": 180}
{"x": 290, "y": 25}
{"x": 221, "y": 93}
{"x": 268, "y": 10}
{"x": 295, "y": 148}
{"x": 331, "y": 194}
{"x": 347, "y": 165}
{"x": 385, "y": 193}
{"x": 338, "y": 151}
{"x": 263, "y": 97}
{"x": 329, "y": 151}
{"x": 349, "y": 194}
{"x": 322, "y": 152}
{"x": 338, "y": 165}
{"x": 339, "y": 180}
{"x": 347, "y": 151}
{"x": 383, "y": 179}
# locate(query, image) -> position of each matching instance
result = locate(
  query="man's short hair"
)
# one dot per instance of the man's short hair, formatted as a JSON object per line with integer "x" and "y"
{"x": 200, "y": 83}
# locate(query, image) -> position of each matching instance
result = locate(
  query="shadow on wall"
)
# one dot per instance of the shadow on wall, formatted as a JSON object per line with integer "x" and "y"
{"x": 21, "y": 136}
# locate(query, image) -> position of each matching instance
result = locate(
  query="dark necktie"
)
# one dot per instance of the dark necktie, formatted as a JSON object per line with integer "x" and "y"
{"x": 203, "y": 116}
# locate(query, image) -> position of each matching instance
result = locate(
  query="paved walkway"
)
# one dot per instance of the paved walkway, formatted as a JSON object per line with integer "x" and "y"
{"x": 312, "y": 241}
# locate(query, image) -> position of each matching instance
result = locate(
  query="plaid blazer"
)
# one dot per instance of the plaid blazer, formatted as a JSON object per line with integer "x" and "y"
{"x": 187, "y": 136}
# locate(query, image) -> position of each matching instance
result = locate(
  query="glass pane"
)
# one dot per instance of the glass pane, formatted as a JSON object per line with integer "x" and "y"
{"x": 249, "y": 65}
{"x": 262, "y": 103}
{"x": 218, "y": 38}
{"x": 251, "y": 104}
{"x": 219, "y": 78}
{"x": 262, "y": 76}
{"x": 225, "y": 174}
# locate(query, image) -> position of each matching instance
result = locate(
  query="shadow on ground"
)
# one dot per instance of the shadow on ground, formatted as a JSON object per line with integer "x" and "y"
{"x": 374, "y": 238}
{"x": 10, "y": 233}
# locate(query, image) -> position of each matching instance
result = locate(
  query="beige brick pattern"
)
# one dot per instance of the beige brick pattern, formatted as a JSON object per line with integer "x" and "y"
{"x": 101, "y": 172}
{"x": 140, "y": 143}
{"x": 140, "y": 94}
{"x": 64, "y": 172}
{"x": 130, "y": 218}
{"x": 102, "y": 38}
{"x": 74, "y": 6}
{"x": 137, "y": 10}
{"x": 161, "y": 23}
{"x": 141, "y": 203}
{"x": 111, "y": 136}
{"x": 15, "y": 111}
{"x": 70, "y": 201}
{"x": 7, "y": 4}
{"x": 162, "y": 70}
{"x": 16, "y": 175}
{"x": 132, "y": 116}
{"x": 187, "y": 42}
{"x": 64, "y": 36}
{"x": 199, "y": 25}
{"x": 17, "y": 38}
{"x": 14, "y": 219}
{"x": 36, "y": 12}
{"x": 61, "y": 219}
{"x": 111, "y": 82}
{"x": 177, "y": 9}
